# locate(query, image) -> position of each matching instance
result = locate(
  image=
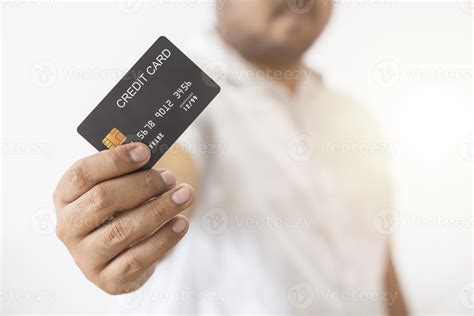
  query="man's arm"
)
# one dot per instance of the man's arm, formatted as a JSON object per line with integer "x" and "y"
{"x": 395, "y": 303}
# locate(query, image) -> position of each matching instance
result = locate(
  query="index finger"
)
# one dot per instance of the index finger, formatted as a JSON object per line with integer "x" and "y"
{"x": 108, "y": 164}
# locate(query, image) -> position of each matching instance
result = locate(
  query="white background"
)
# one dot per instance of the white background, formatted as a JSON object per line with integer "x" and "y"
{"x": 410, "y": 62}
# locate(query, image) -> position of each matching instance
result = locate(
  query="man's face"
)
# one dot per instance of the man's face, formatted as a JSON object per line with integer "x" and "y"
{"x": 272, "y": 29}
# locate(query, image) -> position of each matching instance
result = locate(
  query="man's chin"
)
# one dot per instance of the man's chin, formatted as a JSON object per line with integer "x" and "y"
{"x": 291, "y": 44}
{"x": 293, "y": 22}
{"x": 279, "y": 48}
{"x": 290, "y": 30}
{"x": 280, "y": 53}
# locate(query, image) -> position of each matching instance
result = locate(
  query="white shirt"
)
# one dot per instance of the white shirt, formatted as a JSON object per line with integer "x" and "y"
{"x": 290, "y": 188}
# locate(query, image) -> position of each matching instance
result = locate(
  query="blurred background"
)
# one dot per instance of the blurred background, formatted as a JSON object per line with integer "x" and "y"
{"x": 409, "y": 62}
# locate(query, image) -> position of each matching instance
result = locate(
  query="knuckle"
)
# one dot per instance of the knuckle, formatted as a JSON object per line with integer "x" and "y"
{"x": 56, "y": 196}
{"x": 108, "y": 285}
{"x": 100, "y": 196}
{"x": 132, "y": 265}
{"x": 110, "y": 289}
{"x": 85, "y": 265}
{"x": 66, "y": 229}
{"x": 116, "y": 286}
{"x": 98, "y": 247}
{"x": 79, "y": 176}
{"x": 117, "y": 232}
{"x": 69, "y": 222}
{"x": 162, "y": 243}
{"x": 150, "y": 180}
{"x": 159, "y": 209}
{"x": 113, "y": 157}
{"x": 60, "y": 232}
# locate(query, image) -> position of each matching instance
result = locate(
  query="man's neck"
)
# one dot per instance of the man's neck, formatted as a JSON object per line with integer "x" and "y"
{"x": 286, "y": 74}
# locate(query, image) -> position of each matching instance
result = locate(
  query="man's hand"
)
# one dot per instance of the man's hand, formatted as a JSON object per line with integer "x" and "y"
{"x": 118, "y": 224}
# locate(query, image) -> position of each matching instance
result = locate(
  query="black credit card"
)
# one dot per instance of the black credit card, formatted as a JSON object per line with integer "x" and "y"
{"x": 154, "y": 103}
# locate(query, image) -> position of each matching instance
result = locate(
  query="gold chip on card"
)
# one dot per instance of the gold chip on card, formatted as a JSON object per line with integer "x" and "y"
{"x": 114, "y": 138}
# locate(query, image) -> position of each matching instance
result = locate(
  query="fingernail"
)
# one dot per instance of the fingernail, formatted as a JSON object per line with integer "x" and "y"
{"x": 181, "y": 196}
{"x": 179, "y": 225}
{"x": 139, "y": 153}
{"x": 168, "y": 178}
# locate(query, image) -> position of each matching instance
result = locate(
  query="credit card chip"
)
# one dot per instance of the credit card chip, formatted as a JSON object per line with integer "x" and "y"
{"x": 114, "y": 138}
